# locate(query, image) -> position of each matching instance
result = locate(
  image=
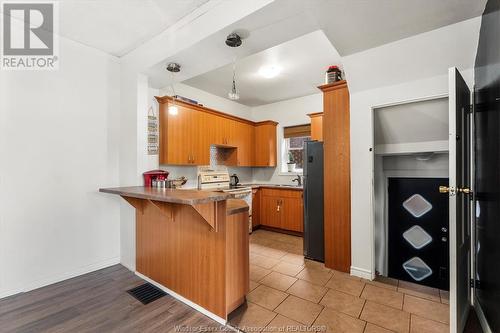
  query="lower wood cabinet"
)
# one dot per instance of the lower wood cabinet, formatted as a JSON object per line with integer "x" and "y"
{"x": 282, "y": 208}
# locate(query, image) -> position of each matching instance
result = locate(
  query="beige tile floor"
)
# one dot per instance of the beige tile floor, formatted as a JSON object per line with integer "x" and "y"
{"x": 288, "y": 293}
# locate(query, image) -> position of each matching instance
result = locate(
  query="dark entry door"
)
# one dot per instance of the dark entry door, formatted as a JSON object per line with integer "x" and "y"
{"x": 418, "y": 231}
{"x": 459, "y": 197}
{"x": 487, "y": 175}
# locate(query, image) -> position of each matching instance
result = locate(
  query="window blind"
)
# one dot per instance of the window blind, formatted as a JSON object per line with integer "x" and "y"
{"x": 297, "y": 131}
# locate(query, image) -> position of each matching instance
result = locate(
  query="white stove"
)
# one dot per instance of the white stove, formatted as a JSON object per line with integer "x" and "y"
{"x": 217, "y": 179}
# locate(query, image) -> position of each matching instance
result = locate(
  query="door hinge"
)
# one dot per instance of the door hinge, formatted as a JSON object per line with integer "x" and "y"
{"x": 471, "y": 108}
{"x": 472, "y": 283}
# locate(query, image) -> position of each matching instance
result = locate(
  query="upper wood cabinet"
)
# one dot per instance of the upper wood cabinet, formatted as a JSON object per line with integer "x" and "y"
{"x": 181, "y": 144}
{"x": 316, "y": 126}
{"x": 337, "y": 176}
{"x": 185, "y": 138}
{"x": 242, "y": 136}
{"x": 282, "y": 208}
{"x": 265, "y": 144}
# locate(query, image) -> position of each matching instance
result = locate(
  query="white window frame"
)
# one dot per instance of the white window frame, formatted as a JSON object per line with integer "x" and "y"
{"x": 284, "y": 159}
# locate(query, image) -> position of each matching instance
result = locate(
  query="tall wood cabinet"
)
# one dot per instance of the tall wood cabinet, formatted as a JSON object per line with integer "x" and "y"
{"x": 337, "y": 176}
{"x": 186, "y": 137}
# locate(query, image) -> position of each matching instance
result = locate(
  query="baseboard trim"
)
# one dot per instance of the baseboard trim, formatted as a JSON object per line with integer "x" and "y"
{"x": 61, "y": 277}
{"x": 184, "y": 300}
{"x": 362, "y": 273}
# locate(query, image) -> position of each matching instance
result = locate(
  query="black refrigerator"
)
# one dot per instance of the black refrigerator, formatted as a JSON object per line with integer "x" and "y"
{"x": 314, "y": 244}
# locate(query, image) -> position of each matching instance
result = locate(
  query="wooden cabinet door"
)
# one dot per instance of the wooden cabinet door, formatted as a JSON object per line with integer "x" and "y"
{"x": 270, "y": 211}
{"x": 316, "y": 126}
{"x": 178, "y": 138}
{"x": 199, "y": 140}
{"x": 265, "y": 145}
{"x": 243, "y": 136}
{"x": 221, "y": 129}
{"x": 293, "y": 214}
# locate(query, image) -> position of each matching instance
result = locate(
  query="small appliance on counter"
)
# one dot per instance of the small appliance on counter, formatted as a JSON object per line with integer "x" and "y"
{"x": 234, "y": 180}
{"x": 176, "y": 183}
{"x": 154, "y": 176}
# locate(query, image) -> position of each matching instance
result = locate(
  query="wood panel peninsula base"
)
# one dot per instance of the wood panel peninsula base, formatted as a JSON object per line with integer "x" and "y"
{"x": 193, "y": 244}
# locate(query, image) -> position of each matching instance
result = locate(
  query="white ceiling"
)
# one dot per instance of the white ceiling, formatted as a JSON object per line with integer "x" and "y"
{"x": 119, "y": 26}
{"x": 413, "y": 122}
{"x": 349, "y": 26}
{"x": 302, "y": 61}
{"x": 357, "y": 25}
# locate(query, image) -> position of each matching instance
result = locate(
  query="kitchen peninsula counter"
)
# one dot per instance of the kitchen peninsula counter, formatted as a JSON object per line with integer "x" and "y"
{"x": 193, "y": 244}
{"x": 185, "y": 197}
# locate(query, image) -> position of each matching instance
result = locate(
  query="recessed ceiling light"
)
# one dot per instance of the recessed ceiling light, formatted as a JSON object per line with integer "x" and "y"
{"x": 269, "y": 71}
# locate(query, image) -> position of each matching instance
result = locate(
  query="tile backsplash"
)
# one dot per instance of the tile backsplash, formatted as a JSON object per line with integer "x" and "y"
{"x": 246, "y": 175}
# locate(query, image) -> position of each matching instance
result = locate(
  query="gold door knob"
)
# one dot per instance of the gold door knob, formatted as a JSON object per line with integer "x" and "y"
{"x": 444, "y": 189}
{"x": 464, "y": 190}
{"x": 452, "y": 190}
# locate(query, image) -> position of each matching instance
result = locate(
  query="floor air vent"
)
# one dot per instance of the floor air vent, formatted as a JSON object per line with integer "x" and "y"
{"x": 146, "y": 293}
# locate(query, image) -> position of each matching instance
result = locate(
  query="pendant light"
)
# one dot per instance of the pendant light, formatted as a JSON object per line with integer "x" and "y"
{"x": 233, "y": 40}
{"x": 233, "y": 93}
{"x": 173, "y": 68}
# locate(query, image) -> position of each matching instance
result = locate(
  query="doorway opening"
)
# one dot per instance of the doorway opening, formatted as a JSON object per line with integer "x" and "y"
{"x": 410, "y": 216}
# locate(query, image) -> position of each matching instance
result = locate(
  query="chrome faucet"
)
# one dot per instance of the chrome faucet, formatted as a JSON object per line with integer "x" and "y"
{"x": 298, "y": 180}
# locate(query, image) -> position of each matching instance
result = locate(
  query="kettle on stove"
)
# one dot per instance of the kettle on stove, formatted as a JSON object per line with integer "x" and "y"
{"x": 234, "y": 180}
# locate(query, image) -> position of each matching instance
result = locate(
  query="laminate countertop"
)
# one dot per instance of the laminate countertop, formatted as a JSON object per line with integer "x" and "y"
{"x": 276, "y": 186}
{"x": 236, "y": 206}
{"x": 185, "y": 197}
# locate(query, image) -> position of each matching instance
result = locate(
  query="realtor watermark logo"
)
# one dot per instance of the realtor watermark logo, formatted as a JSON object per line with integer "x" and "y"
{"x": 30, "y": 39}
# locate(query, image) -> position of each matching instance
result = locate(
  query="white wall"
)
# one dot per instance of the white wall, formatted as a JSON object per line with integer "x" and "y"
{"x": 286, "y": 113}
{"x": 59, "y": 135}
{"x": 409, "y": 69}
{"x": 209, "y": 100}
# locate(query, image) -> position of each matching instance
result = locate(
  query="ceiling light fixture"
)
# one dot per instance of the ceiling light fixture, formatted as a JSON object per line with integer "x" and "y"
{"x": 233, "y": 40}
{"x": 269, "y": 71}
{"x": 233, "y": 93}
{"x": 173, "y": 68}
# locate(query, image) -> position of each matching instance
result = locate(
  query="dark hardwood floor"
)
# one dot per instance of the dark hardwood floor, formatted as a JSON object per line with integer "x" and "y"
{"x": 97, "y": 302}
